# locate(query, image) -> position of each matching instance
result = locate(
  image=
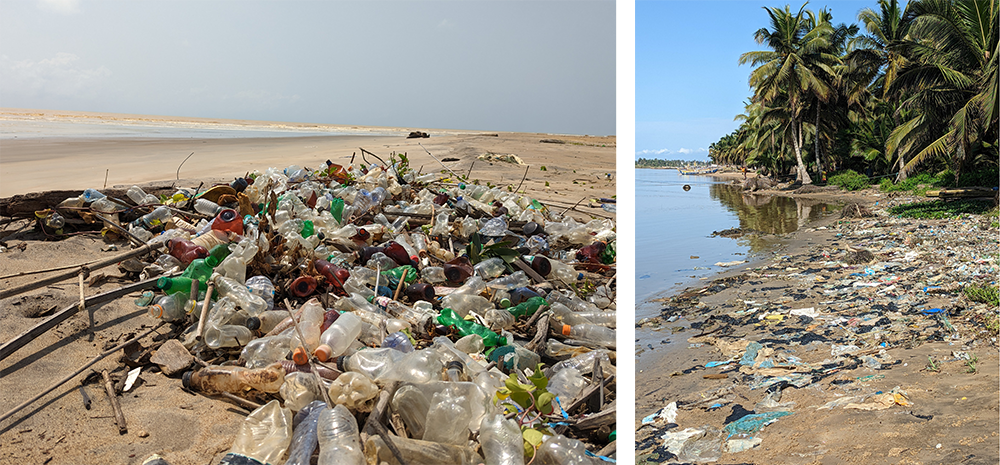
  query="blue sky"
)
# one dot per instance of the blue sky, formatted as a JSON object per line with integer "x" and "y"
{"x": 484, "y": 65}
{"x": 688, "y": 81}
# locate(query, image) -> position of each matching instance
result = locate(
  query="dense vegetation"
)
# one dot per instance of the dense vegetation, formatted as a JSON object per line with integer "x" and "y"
{"x": 657, "y": 163}
{"x": 911, "y": 90}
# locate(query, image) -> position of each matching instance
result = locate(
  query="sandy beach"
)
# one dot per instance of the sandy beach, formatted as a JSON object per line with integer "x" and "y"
{"x": 941, "y": 378}
{"x": 162, "y": 418}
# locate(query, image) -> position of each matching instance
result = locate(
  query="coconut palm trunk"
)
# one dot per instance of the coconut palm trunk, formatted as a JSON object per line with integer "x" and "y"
{"x": 803, "y": 175}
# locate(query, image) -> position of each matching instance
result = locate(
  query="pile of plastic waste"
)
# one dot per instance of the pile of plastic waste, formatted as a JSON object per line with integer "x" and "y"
{"x": 369, "y": 313}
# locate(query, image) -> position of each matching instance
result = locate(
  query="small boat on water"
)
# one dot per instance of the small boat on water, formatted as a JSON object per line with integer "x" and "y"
{"x": 688, "y": 171}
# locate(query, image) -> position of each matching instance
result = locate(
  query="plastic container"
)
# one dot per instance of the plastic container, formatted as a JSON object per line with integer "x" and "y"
{"x": 449, "y": 318}
{"x": 207, "y": 207}
{"x": 304, "y": 440}
{"x": 217, "y": 337}
{"x": 185, "y": 250}
{"x": 299, "y": 389}
{"x": 178, "y": 285}
{"x": 266, "y": 350}
{"x": 303, "y": 286}
{"x": 339, "y": 439}
{"x": 370, "y": 362}
{"x": 228, "y": 220}
{"x": 398, "y": 341}
{"x": 457, "y": 273}
{"x": 264, "y": 436}
{"x": 512, "y": 281}
{"x": 595, "y": 334}
{"x": 171, "y": 307}
{"x": 354, "y": 390}
{"x": 158, "y": 216}
{"x": 433, "y": 274}
{"x": 462, "y": 304}
{"x": 560, "y": 450}
{"x": 416, "y": 451}
{"x": 262, "y": 287}
{"x": 567, "y": 384}
{"x": 216, "y": 378}
{"x": 411, "y": 404}
{"x": 448, "y": 417}
{"x": 501, "y": 441}
{"x": 338, "y": 337}
{"x": 490, "y": 268}
{"x": 239, "y": 293}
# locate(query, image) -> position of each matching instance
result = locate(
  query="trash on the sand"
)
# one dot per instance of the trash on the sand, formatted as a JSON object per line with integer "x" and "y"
{"x": 718, "y": 364}
{"x": 133, "y": 375}
{"x": 838, "y": 350}
{"x": 809, "y": 312}
{"x": 732, "y": 263}
{"x": 667, "y": 414}
{"x": 751, "y": 353}
{"x": 739, "y": 445}
{"x": 431, "y": 306}
{"x": 753, "y": 423}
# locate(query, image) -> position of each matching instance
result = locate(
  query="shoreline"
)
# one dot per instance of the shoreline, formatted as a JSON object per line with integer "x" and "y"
{"x": 702, "y": 323}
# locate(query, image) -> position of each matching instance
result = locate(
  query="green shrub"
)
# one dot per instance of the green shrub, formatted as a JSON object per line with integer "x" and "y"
{"x": 918, "y": 185}
{"x": 983, "y": 294}
{"x": 937, "y": 209}
{"x": 849, "y": 180}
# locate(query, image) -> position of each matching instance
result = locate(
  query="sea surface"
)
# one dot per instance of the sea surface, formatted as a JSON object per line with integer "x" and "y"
{"x": 675, "y": 246}
{"x": 48, "y": 128}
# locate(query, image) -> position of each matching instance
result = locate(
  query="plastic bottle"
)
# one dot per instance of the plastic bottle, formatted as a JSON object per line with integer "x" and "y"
{"x": 265, "y": 350}
{"x": 490, "y": 268}
{"x": 227, "y": 336}
{"x": 433, "y": 274}
{"x": 457, "y": 273}
{"x": 338, "y": 337}
{"x": 262, "y": 287}
{"x": 303, "y": 286}
{"x": 564, "y": 272}
{"x": 515, "y": 280}
{"x": 419, "y": 366}
{"x": 584, "y": 363}
{"x": 91, "y": 195}
{"x": 472, "y": 286}
{"x": 201, "y": 268}
{"x": 211, "y": 238}
{"x": 501, "y": 441}
{"x": 448, "y": 317}
{"x": 207, "y": 207}
{"x": 541, "y": 265}
{"x": 263, "y": 438}
{"x": 419, "y": 452}
{"x": 448, "y": 417}
{"x": 335, "y": 275}
{"x": 299, "y": 389}
{"x": 158, "y": 216}
{"x": 528, "y": 307}
{"x": 216, "y": 378}
{"x": 399, "y": 341}
{"x": 141, "y": 198}
{"x": 498, "y": 319}
{"x": 186, "y": 251}
{"x": 178, "y": 284}
{"x": 596, "y": 334}
{"x": 561, "y": 450}
{"x": 171, "y": 307}
{"x": 304, "y": 440}
{"x": 339, "y": 440}
{"x": 309, "y": 323}
{"x": 239, "y": 293}
{"x": 370, "y": 362}
{"x": 462, "y": 304}
{"x": 567, "y": 384}
{"x": 411, "y": 404}
{"x": 420, "y": 291}
{"x": 353, "y": 390}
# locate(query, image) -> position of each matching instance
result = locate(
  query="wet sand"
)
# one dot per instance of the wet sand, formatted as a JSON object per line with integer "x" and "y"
{"x": 952, "y": 416}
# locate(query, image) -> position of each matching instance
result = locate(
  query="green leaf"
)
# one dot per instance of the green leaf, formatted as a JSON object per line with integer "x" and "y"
{"x": 532, "y": 440}
{"x": 544, "y": 402}
{"x": 538, "y": 378}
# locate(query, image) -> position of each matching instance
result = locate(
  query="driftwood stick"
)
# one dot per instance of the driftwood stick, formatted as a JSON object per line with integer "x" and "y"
{"x": 587, "y": 392}
{"x": 523, "y": 178}
{"x": 457, "y": 177}
{"x": 109, "y": 388}
{"x": 204, "y": 309}
{"x": 399, "y": 287}
{"x": 541, "y": 333}
{"x": 375, "y": 419}
{"x": 80, "y": 370}
{"x": 72, "y": 273}
{"x": 520, "y": 263}
{"x": 241, "y": 401}
{"x": 99, "y": 299}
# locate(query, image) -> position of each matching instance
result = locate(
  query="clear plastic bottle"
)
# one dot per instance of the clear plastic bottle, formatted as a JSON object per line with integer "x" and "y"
{"x": 262, "y": 287}
{"x": 465, "y": 303}
{"x": 207, "y": 207}
{"x": 501, "y": 441}
{"x": 419, "y": 366}
{"x": 584, "y": 363}
{"x": 399, "y": 341}
{"x": 217, "y": 378}
{"x": 411, "y": 404}
{"x": 238, "y": 292}
{"x": 304, "y": 440}
{"x": 141, "y": 198}
{"x": 563, "y": 272}
{"x": 490, "y": 268}
{"x": 567, "y": 384}
{"x": 158, "y": 216}
{"x": 448, "y": 417}
{"x": 498, "y": 319}
{"x": 419, "y": 452}
{"x": 339, "y": 439}
{"x": 561, "y": 450}
{"x": 171, "y": 307}
{"x": 265, "y": 350}
{"x": 299, "y": 389}
{"x": 227, "y": 336}
{"x": 433, "y": 274}
{"x": 339, "y": 336}
{"x": 353, "y": 390}
{"x": 472, "y": 286}
{"x": 309, "y": 323}
{"x": 264, "y": 436}
{"x": 513, "y": 281}
{"x": 600, "y": 335}
{"x": 371, "y": 362}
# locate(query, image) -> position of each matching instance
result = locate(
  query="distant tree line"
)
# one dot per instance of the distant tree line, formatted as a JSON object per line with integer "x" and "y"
{"x": 911, "y": 90}
{"x": 657, "y": 163}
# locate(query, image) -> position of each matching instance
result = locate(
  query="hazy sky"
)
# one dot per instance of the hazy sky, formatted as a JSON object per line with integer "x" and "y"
{"x": 489, "y": 65}
{"x": 688, "y": 81}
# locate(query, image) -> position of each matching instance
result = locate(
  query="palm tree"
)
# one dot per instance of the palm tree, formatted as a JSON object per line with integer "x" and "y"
{"x": 787, "y": 69}
{"x": 950, "y": 81}
{"x": 876, "y": 56}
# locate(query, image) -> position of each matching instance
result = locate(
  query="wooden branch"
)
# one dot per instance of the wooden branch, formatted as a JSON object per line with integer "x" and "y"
{"x": 587, "y": 392}
{"x": 529, "y": 271}
{"x": 99, "y": 299}
{"x": 541, "y": 333}
{"x": 605, "y": 417}
{"x": 72, "y": 273}
{"x": 109, "y": 388}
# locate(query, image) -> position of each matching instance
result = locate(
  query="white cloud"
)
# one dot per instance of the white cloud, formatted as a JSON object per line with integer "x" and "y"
{"x": 654, "y": 152}
{"x": 682, "y": 151}
{"x": 60, "y": 76}
{"x": 63, "y": 7}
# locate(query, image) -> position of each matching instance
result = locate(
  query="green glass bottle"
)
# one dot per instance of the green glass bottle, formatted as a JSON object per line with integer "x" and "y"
{"x": 201, "y": 268}
{"x": 528, "y": 307}
{"x": 307, "y": 228}
{"x": 392, "y": 276}
{"x": 179, "y": 284}
{"x": 448, "y": 317}
{"x": 337, "y": 209}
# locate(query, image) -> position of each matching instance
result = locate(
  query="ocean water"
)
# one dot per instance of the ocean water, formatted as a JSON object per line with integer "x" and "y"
{"x": 674, "y": 242}
{"x": 44, "y": 128}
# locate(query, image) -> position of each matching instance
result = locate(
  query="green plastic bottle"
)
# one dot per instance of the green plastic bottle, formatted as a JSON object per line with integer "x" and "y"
{"x": 179, "y": 284}
{"x": 201, "y": 268}
{"x": 337, "y": 209}
{"x": 392, "y": 276}
{"x": 307, "y": 228}
{"x": 528, "y": 307}
{"x": 448, "y": 317}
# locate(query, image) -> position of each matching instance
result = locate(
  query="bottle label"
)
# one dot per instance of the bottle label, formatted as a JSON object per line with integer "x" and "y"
{"x": 236, "y": 459}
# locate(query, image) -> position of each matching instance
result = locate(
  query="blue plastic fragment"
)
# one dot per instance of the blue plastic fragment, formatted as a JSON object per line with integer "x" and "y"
{"x": 751, "y": 353}
{"x": 753, "y": 423}
{"x": 716, "y": 364}
{"x": 932, "y": 311}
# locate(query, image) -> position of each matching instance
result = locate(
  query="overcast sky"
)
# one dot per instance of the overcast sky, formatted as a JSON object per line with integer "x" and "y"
{"x": 485, "y": 65}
